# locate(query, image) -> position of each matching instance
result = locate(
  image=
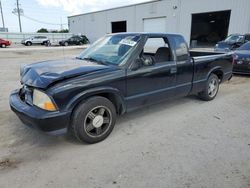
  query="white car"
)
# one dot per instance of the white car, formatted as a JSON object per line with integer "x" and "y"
{"x": 43, "y": 40}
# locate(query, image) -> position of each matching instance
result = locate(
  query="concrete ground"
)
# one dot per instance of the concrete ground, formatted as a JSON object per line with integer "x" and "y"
{"x": 185, "y": 143}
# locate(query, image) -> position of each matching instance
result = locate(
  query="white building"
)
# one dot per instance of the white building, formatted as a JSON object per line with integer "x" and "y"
{"x": 205, "y": 21}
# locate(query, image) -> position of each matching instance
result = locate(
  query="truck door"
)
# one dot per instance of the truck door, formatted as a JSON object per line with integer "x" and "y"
{"x": 36, "y": 40}
{"x": 155, "y": 78}
{"x": 185, "y": 66}
{"x": 71, "y": 40}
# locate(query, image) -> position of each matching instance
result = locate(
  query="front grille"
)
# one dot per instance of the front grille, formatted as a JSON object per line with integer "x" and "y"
{"x": 25, "y": 94}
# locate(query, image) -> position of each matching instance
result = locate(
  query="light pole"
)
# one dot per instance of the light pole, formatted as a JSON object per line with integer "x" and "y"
{"x": 19, "y": 17}
{"x": 1, "y": 9}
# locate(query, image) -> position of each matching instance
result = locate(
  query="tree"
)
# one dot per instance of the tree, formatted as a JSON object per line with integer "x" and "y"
{"x": 53, "y": 31}
{"x": 60, "y": 31}
{"x": 42, "y": 30}
{"x": 64, "y": 31}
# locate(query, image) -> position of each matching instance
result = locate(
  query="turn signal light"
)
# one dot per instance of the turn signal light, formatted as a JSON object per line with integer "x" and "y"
{"x": 49, "y": 106}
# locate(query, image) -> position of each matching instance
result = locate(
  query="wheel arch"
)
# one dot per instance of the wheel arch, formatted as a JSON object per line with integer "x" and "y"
{"x": 28, "y": 42}
{"x": 111, "y": 94}
{"x": 218, "y": 72}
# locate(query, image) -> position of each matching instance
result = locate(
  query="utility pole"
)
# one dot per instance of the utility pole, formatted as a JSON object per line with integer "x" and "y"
{"x": 19, "y": 18}
{"x": 61, "y": 23}
{"x": 2, "y": 14}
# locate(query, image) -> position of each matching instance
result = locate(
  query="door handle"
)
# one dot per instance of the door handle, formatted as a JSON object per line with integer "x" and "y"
{"x": 173, "y": 70}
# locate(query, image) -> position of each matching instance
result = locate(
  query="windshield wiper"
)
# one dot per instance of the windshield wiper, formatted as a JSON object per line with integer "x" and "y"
{"x": 94, "y": 60}
{"x": 89, "y": 59}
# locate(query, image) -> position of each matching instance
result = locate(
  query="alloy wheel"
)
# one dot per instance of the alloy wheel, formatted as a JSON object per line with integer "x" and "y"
{"x": 97, "y": 121}
{"x": 213, "y": 87}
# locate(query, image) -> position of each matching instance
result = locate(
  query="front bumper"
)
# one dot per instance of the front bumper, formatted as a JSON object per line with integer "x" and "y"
{"x": 50, "y": 122}
{"x": 243, "y": 68}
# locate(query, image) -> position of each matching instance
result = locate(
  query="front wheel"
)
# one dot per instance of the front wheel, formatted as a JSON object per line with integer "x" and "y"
{"x": 28, "y": 43}
{"x": 3, "y": 45}
{"x": 211, "y": 89}
{"x": 93, "y": 120}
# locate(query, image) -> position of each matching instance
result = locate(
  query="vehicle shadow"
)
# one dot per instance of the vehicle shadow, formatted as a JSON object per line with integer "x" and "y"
{"x": 37, "y": 139}
{"x": 156, "y": 108}
{"x": 29, "y": 145}
{"x": 241, "y": 75}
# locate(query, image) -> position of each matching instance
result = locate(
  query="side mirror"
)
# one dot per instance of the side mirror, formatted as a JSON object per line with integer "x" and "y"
{"x": 239, "y": 43}
{"x": 137, "y": 64}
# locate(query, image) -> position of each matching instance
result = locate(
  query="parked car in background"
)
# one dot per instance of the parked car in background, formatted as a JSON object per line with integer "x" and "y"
{"x": 117, "y": 74}
{"x": 74, "y": 40}
{"x": 242, "y": 59}
{"x": 43, "y": 40}
{"x": 4, "y": 43}
{"x": 232, "y": 42}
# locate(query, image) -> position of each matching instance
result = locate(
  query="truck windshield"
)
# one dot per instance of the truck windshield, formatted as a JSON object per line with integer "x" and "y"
{"x": 111, "y": 49}
{"x": 234, "y": 38}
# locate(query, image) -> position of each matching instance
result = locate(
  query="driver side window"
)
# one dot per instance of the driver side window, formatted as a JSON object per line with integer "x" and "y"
{"x": 153, "y": 44}
{"x": 156, "y": 50}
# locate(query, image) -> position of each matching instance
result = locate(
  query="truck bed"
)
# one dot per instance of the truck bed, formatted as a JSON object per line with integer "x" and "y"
{"x": 197, "y": 53}
{"x": 200, "y": 56}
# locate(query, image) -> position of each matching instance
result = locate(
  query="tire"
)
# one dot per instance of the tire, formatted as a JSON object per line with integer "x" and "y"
{"x": 3, "y": 45}
{"x": 66, "y": 44}
{"x": 28, "y": 43}
{"x": 46, "y": 43}
{"x": 80, "y": 43}
{"x": 211, "y": 89}
{"x": 93, "y": 120}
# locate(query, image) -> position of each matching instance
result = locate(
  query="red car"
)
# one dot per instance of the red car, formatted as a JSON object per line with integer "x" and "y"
{"x": 4, "y": 43}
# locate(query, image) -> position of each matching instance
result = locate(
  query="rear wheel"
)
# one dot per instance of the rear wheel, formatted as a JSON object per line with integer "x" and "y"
{"x": 212, "y": 88}
{"x": 66, "y": 44}
{"x": 93, "y": 120}
{"x": 3, "y": 45}
{"x": 48, "y": 43}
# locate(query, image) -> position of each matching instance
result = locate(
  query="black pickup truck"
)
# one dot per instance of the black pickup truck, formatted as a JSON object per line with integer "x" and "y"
{"x": 118, "y": 73}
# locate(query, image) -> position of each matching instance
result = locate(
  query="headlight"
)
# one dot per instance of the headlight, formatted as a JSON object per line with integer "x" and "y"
{"x": 43, "y": 101}
{"x": 217, "y": 45}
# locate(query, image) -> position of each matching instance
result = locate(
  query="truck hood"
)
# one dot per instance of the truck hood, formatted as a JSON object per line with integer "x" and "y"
{"x": 42, "y": 74}
{"x": 243, "y": 54}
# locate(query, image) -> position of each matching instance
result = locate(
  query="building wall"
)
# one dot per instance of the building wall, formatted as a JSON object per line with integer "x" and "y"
{"x": 134, "y": 15}
{"x": 178, "y": 14}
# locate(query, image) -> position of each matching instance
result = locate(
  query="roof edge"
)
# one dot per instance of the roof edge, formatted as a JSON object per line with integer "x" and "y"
{"x": 146, "y": 2}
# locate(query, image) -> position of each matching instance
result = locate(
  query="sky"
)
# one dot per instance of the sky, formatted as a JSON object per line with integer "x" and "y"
{"x": 51, "y": 14}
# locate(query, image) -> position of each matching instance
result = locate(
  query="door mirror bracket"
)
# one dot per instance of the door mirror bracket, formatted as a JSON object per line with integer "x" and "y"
{"x": 136, "y": 64}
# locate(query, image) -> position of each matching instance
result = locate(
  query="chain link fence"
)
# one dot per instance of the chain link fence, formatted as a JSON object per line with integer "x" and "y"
{"x": 18, "y": 37}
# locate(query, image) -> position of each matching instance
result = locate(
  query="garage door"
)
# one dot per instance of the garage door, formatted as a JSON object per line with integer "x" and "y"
{"x": 209, "y": 28}
{"x": 155, "y": 25}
